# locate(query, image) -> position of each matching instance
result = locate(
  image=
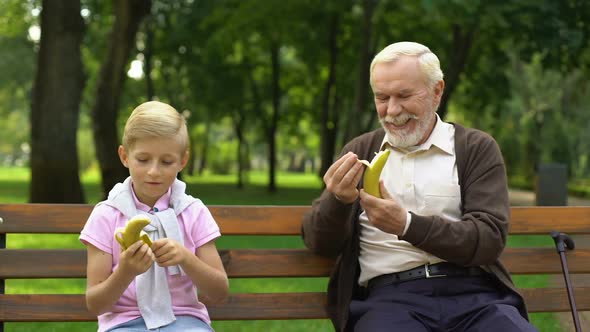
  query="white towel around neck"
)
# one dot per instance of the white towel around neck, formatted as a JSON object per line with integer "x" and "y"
{"x": 153, "y": 295}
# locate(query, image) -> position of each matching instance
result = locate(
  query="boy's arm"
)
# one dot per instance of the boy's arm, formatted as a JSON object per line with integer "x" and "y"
{"x": 203, "y": 267}
{"x": 104, "y": 288}
{"x": 206, "y": 271}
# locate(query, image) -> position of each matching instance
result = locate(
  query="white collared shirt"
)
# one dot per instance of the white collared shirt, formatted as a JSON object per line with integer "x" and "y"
{"x": 424, "y": 181}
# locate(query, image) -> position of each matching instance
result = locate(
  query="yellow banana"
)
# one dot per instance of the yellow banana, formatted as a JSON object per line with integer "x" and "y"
{"x": 373, "y": 172}
{"x": 133, "y": 232}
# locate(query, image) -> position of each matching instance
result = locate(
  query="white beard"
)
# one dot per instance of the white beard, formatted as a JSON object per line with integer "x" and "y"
{"x": 405, "y": 138}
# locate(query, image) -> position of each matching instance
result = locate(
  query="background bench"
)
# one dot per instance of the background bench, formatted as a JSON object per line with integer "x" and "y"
{"x": 260, "y": 263}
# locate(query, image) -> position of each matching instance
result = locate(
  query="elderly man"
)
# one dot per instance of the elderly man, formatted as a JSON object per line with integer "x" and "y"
{"x": 424, "y": 256}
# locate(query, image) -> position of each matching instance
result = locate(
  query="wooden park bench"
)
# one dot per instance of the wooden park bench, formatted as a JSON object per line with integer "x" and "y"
{"x": 261, "y": 263}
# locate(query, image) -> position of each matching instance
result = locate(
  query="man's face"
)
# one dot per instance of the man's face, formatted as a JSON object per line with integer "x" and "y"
{"x": 406, "y": 105}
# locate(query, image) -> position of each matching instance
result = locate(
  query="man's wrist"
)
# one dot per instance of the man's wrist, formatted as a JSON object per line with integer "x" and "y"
{"x": 342, "y": 200}
{"x": 408, "y": 222}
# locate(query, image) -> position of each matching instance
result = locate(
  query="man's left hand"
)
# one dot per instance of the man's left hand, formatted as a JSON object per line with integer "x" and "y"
{"x": 384, "y": 213}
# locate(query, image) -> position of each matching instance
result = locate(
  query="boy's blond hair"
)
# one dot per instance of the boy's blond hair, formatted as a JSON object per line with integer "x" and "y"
{"x": 155, "y": 119}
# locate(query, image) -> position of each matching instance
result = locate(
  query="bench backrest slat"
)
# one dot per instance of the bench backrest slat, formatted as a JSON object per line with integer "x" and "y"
{"x": 543, "y": 219}
{"x": 263, "y": 263}
{"x": 233, "y": 220}
{"x": 269, "y": 220}
{"x": 252, "y": 263}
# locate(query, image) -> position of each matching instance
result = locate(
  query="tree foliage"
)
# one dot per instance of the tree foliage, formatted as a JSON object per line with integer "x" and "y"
{"x": 284, "y": 84}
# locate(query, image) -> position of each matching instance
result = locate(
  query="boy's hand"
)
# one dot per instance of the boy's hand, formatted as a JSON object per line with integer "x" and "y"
{"x": 169, "y": 252}
{"x": 136, "y": 259}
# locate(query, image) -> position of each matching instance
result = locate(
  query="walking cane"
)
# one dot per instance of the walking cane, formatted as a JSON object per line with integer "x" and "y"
{"x": 562, "y": 243}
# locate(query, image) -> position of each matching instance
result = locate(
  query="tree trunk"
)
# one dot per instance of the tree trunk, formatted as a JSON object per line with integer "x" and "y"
{"x": 329, "y": 122}
{"x": 239, "y": 128}
{"x": 57, "y": 91}
{"x": 457, "y": 59}
{"x": 111, "y": 79}
{"x": 147, "y": 58}
{"x": 361, "y": 92}
{"x": 190, "y": 166}
{"x": 532, "y": 150}
{"x": 272, "y": 128}
{"x": 204, "y": 147}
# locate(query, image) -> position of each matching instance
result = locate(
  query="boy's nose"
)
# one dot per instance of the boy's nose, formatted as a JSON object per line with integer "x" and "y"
{"x": 153, "y": 170}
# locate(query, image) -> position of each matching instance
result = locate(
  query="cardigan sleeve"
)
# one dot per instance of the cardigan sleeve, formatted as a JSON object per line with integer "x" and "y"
{"x": 480, "y": 237}
{"x": 325, "y": 227}
{"x": 330, "y": 223}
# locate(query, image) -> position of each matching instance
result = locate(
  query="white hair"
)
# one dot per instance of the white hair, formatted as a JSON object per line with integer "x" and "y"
{"x": 428, "y": 61}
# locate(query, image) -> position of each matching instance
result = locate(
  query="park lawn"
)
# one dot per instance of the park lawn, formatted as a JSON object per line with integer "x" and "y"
{"x": 293, "y": 189}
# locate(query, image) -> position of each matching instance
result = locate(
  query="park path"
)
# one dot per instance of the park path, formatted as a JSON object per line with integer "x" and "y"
{"x": 520, "y": 197}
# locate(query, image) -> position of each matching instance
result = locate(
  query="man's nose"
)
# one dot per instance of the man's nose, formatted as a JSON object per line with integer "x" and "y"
{"x": 394, "y": 107}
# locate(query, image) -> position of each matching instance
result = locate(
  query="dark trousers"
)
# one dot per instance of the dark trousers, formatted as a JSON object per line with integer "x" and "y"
{"x": 439, "y": 304}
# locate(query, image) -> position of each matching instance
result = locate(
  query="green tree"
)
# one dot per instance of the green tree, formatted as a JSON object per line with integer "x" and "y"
{"x": 109, "y": 87}
{"x": 17, "y": 65}
{"x": 55, "y": 105}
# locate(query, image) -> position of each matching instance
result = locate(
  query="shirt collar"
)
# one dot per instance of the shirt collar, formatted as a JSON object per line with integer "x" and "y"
{"x": 162, "y": 204}
{"x": 441, "y": 137}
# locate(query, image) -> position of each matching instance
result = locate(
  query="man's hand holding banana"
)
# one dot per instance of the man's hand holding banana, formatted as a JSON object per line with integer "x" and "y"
{"x": 343, "y": 176}
{"x": 384, "y": 213}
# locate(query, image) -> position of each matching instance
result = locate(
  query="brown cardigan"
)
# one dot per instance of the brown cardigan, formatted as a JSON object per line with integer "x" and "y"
{"x": 331, "y": 228}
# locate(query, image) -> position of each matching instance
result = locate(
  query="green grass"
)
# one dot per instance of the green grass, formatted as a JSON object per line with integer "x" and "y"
{"x": 293, "y": 189}
{"x": 576, "y": 187}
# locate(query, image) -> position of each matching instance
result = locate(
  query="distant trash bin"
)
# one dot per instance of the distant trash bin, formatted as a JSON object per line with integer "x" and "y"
{"x": 551, "y": 189}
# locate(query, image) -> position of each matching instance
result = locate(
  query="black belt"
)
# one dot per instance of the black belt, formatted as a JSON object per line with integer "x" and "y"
{"x": 437, "y": 270}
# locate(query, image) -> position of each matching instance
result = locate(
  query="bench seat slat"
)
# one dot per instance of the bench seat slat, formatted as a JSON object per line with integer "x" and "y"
{"x": 275, "y": 263}
{"x": 544, "y": 260}
{"x": 555, "y": 299}
{"x": 72, "y": 307}
{"x": 248, "y": 263}
{"x": 34, "y": 263}
{"x": 261, "y": 306}
{"x": 270, "y": 220}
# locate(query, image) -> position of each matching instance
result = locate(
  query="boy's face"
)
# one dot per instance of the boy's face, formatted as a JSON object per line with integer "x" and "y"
{"x": 153, "y": 165}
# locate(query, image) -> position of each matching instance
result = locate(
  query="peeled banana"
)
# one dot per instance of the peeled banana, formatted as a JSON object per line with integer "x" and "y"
{"x": 373, "y": 172}
{"x": 133, "y": 232}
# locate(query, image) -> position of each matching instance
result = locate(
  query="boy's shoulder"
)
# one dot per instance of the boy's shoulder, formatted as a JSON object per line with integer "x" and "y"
{"x": 103, "y": 209}
{"x": 192, "y": 206}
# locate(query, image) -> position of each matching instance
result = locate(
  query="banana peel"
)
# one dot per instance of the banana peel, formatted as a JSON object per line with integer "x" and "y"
{"x": 373, "y": 172}
{"x": 133, "y": 232}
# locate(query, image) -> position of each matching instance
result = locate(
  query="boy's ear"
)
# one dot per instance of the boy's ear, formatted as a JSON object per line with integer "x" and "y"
{"x": 184, "y": 160}
{"x": 123, "y": 156}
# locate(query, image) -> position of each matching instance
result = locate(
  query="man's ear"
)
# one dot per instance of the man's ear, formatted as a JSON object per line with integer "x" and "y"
{"x": 123, "y": 156}
{"x": 439, "y": 88}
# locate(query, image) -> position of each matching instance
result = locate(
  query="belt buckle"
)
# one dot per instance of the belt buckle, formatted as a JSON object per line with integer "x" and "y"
{"x": 428, "y": 275}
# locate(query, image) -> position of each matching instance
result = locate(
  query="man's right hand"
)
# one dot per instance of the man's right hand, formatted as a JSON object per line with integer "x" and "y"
{"x": 343, "y": 177}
